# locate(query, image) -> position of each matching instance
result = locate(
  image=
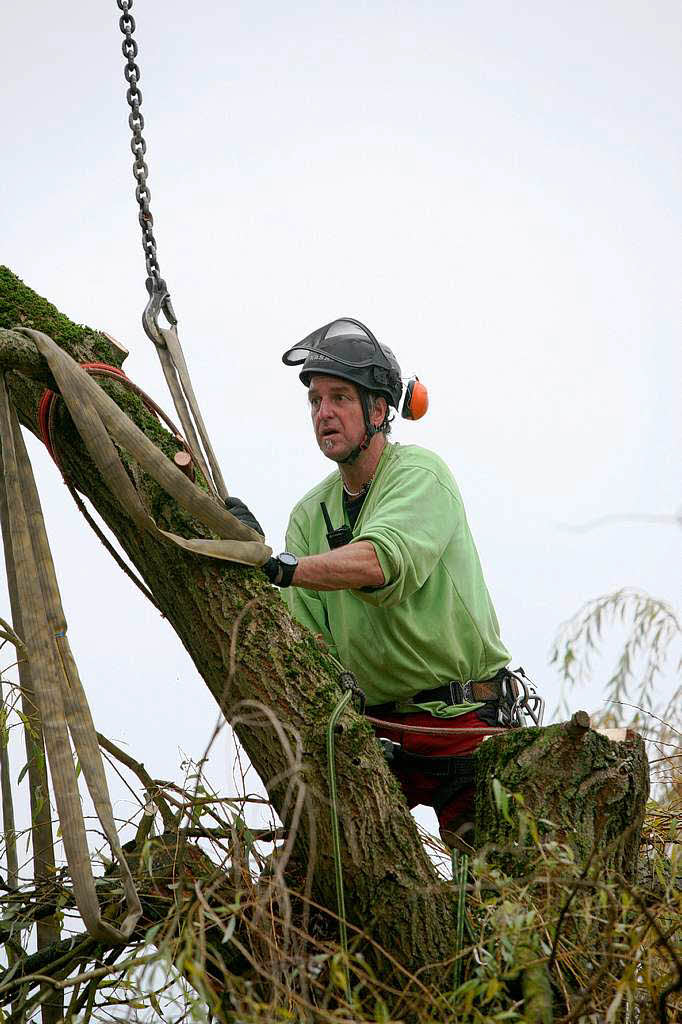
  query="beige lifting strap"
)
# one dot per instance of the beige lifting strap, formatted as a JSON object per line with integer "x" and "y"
{"x": 99, "y": 420}
{"x": 59, "y": 693}
{"x": 180, "y": 386}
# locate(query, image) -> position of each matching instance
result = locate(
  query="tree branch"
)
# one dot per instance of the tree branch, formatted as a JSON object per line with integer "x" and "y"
{"x": 137, "y": 768}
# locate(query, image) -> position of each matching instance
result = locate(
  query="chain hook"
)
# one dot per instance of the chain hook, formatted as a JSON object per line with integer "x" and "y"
{"x": 159, "y": 302}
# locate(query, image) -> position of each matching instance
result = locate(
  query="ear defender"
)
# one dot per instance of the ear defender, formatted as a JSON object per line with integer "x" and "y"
{"x": 416, "y": 400}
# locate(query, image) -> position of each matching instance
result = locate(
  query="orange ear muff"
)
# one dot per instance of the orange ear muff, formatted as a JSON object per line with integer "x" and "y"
{"x": 416, "y": 400}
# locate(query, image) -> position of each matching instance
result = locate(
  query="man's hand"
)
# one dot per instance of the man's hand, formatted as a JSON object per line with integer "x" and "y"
{"x": 351, "y": 567}
{"x": 242, "y": 513}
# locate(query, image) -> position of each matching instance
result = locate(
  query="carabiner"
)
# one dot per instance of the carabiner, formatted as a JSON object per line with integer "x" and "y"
{"x": 159, "y": 302}
{"x": 525, "y": 702}
{"x": 347, "y": 681}
{"x": 530, "y": 702}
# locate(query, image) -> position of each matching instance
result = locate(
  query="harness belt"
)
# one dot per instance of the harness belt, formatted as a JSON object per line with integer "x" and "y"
{"x": 501, "y": 686}
{"x": 471, "y": 692}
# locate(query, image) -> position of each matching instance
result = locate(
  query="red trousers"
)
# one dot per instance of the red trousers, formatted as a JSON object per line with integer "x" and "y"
{"x": 419, "y": 787}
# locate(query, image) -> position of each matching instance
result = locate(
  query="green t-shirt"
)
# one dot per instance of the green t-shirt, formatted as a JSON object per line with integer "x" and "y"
{"x": 432, "y": 621}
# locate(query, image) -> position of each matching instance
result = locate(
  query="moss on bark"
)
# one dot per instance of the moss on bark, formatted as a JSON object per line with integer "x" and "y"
{"x": 392, "y": 888}
{"x": 588, "y": 791}
{"x": 22, "y": 307}
{"x": 580, "y": 787}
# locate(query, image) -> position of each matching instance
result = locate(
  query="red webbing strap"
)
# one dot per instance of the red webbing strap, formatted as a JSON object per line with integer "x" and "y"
{"x": 48, "y": 397}
{"x": 425, "y": 730}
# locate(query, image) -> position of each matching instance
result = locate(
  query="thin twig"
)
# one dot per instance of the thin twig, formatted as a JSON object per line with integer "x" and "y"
{"x": 138, "y": 769}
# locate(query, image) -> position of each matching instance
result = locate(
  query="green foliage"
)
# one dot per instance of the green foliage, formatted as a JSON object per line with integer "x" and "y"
{"x": 226, "y": 938}
{"x": 652, "y": 631}
{"x": 650, "y": 653}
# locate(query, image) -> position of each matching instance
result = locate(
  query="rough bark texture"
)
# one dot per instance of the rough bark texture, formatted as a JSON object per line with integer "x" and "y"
{"x": 392, "y": 887}
{"x": 392, "y": 890}
{"x": 582, "y": 787}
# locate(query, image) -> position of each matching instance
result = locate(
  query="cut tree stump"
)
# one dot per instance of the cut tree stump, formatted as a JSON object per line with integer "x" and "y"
{"x": 584, "y": 788}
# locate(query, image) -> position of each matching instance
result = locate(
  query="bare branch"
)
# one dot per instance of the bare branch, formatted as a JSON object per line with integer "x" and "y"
{"x": 138, "y": 769}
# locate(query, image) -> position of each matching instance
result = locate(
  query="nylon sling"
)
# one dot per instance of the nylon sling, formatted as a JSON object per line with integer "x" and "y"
{"x": 179, "y": 384}
{"x": 58, "y": 690}
{"x": 60, "y": 697}
{"x": 100, "y": 422}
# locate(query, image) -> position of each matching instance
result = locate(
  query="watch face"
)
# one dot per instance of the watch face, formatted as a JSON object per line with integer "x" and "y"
{"x": 286, "y": 558}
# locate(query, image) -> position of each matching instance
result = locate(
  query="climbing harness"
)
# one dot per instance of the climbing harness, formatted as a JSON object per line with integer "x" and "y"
{"x": 165, "y": 339}
{"x": 63, "y": 708}
{"x": 512, "y": 691}
{"x": 455, "y": 771}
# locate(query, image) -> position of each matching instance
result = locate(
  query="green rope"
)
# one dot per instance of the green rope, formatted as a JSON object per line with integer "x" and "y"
{"x": 460, "y": 868}
{"x": 336, "y": 838}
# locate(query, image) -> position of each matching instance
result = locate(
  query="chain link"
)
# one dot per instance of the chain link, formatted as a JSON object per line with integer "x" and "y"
{"x": 165, "y": 338}
{"x": 137, "y": 143}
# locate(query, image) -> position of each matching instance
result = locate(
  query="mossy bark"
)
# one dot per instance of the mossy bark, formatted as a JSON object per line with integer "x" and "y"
{"x": 392, "y": 889}
{"x": 581, "y": 787}
{"x": 592, "y": 790}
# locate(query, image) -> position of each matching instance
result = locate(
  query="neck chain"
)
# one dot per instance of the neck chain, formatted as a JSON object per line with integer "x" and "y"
{"x": 356, "y": 494}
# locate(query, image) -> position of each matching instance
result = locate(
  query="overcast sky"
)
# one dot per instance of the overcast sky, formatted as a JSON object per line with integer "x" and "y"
{"x": 494, "y": 189}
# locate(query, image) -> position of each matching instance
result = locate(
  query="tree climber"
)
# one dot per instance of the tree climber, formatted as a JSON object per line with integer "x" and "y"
{"x": 396, "y": 590}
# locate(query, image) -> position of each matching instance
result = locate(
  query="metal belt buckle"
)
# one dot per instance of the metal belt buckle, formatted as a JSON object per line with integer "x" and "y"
{"x": 465, "y": 694}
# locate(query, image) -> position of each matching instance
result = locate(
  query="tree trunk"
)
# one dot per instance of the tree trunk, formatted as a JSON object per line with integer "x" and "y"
{"x": 280, "y": 669}
{"x": 282, "y": 675}
{"x": 587, "y": 789}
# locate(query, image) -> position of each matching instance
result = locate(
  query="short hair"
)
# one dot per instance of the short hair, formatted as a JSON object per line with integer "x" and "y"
{"x": 373, "y": 397}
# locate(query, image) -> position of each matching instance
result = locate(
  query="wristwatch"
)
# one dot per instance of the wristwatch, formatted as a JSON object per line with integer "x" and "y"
{"x": 280, "y": 570}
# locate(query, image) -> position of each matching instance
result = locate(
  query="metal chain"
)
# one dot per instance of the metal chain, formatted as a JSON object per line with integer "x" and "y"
{"x": 165, "y": 338}
{"x": 137, "y": 143}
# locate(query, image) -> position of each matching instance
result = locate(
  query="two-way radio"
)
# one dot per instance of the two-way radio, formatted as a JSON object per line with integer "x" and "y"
{"x": 339, "y": 537}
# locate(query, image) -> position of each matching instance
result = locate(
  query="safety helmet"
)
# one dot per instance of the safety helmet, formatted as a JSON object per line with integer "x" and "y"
{"x": 346, "y": 348}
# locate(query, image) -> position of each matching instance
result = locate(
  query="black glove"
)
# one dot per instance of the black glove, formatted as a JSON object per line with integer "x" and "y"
{"x": 241, "y": 512}
{"x": 271, "y": 569}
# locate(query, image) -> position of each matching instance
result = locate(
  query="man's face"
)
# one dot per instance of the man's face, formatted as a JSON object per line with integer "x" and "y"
{"x": 337, "y": 416}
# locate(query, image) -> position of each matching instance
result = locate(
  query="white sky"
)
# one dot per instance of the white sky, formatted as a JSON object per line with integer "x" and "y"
{"x": 493, "y": 189}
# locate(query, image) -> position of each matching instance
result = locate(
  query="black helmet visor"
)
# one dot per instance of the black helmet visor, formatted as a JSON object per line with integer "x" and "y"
{"x": 344, "y": 341}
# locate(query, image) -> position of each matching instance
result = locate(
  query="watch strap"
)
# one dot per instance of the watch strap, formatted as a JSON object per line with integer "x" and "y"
{"x": 286, "y": 573}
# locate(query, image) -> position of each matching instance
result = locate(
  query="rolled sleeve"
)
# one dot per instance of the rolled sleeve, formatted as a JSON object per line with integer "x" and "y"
{"x": 409, "y": 528}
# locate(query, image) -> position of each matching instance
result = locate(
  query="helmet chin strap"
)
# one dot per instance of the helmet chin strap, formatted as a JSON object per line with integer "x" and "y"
{"x": 370, "y": 431}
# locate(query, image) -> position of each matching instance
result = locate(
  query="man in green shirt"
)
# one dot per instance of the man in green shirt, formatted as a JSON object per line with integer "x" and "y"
{"x": 396, "y": 589}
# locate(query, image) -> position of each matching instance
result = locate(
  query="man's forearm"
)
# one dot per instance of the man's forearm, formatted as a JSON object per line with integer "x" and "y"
{"x": 348, "y": 568}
